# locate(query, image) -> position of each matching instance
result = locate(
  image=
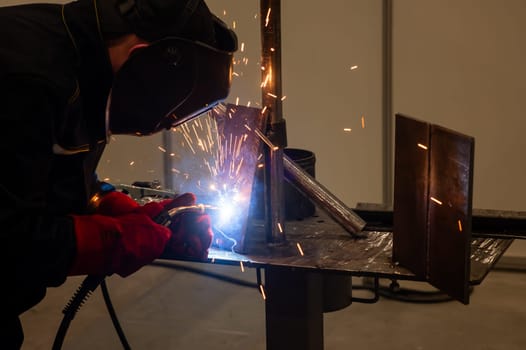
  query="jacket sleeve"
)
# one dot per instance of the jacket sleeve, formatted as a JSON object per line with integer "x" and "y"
{"x": 38, "y": 243}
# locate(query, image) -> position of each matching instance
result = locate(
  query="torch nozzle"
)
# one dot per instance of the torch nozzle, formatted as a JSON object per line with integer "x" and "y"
{"x": 199, "y": 208}
{"x": 165, "y": 218}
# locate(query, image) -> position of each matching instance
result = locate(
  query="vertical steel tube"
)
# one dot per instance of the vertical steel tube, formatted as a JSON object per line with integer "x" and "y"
{"x": 270, "y": 18}
{"x": 387, "y": 100}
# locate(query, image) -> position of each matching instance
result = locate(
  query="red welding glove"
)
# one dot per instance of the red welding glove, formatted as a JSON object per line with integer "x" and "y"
{"x": 115, "y": 203}
{"x": 121, "y": 244}
{"x": 118, "y": 203}
{"x": 191, "y": 231}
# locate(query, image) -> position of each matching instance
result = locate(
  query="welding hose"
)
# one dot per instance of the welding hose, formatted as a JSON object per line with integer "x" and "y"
{"x": 91, "y": 282}
{"x": 88, "y": 285}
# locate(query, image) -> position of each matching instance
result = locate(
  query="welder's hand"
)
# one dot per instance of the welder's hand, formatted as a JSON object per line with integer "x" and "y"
{"x": 121, "y": 244}
{"x": 191, "y": 231}
{"x": 115, "y": 203}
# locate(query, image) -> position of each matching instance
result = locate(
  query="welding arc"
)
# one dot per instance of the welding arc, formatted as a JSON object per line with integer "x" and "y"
{"x": 217, "y": 229}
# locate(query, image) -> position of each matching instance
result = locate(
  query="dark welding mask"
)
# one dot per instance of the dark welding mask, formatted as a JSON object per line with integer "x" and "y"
{"x": 172, "y": 80}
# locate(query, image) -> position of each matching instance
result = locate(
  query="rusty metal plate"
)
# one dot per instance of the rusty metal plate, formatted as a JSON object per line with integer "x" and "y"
{"x": 450, "y": 209}
{"x": 410, "y": 194}
{"x": 432, "y": 204}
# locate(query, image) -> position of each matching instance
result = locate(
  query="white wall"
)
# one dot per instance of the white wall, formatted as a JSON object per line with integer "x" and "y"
{"x": 461, "y": 64}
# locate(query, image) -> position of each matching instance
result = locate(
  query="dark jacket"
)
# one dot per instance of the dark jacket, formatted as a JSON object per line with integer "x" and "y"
{"x": 55, "y": 77}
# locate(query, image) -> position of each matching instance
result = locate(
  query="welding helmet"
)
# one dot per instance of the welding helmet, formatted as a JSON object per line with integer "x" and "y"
{"x": 185, "y": 70}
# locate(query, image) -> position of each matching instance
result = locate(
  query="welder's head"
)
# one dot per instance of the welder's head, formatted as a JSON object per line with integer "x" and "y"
{"x": 185, "y": 70}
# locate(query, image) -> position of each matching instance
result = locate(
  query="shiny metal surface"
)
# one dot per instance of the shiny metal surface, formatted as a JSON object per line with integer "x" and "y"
{"x": 327, "y": 247}
{"x": 325, "y": 200}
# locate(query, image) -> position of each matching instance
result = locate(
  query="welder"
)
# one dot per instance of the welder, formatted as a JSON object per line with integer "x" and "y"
{"x": 70, "y": 76}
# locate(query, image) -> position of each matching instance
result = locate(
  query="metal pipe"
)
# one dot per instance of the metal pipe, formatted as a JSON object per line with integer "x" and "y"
{"x": 325, "y": 200}
{"x": 387, "y": 100}
{"x": 270, "y": 24}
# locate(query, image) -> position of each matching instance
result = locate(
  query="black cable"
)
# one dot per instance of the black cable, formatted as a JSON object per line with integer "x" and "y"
{"x": 88, "y": 285}
{"x": 395, "y": 292}
{"x": 113, "y": 316}
{"x": 375, "y": 289}
{"x": 217, "y": 276}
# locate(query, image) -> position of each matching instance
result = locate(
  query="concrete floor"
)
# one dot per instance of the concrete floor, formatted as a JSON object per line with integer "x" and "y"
{"x": 160, "y": 308}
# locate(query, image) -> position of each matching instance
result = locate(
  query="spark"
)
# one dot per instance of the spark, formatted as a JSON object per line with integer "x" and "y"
{"x": 283, "y": 98}
{"x": 354, "y": 67}
{"x": 174, "y": 170}
{"x": 224, "y": 12}
{"x": 132, "y": 162}
{"x": 267, "y": 19}
{"x": 268, "y": 78}
{"x": 264, "y": 110}
{"x": 235, "y": 74}
{"x": 272, "y": 49}
{"x": 241, "y": 266}
{"x": 187, "y": 137}
{"x": 261, "y": 165}
{"x": 242, "y": 47}
{"x": 248, "y": 127}
{"x": 280, "y": 228}
{"x": 107, "y": 179}
{"x": 262, "y": 290}
{"x": 459, "y": 225}
{"x": 266, "y": 140}
{"x": 299, "y": 248}
{"x": 422, "y": 146}
{"x": 237, "y": 101}
{"x": 272, "y": 95}
{"x": 233, "y": 24}
{"x": 347, "y": 129}
{"x": 363, "y": 122}
{"x": 436, "y": 200}
{"x": 161, "y": 149}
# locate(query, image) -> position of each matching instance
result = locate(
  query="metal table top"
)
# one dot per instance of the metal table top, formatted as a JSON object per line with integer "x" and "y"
{"x": 319, "y": 243}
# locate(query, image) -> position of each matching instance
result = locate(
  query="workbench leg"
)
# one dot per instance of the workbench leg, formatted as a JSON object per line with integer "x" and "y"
{"x": 294, "y": 309}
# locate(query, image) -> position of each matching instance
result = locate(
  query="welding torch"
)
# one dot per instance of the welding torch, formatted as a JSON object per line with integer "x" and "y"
{"x": 165, "y": 218}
